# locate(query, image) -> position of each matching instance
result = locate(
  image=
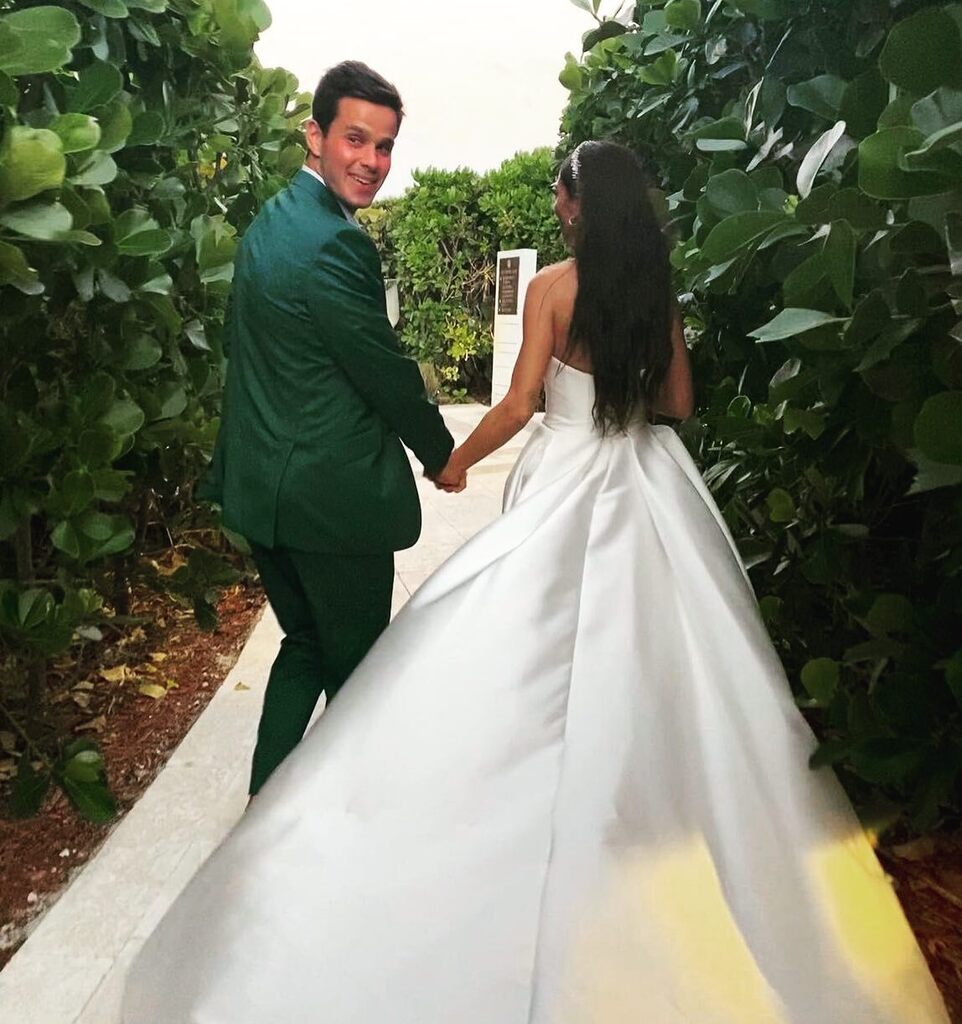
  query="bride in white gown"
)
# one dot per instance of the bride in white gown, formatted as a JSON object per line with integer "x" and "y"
{"x": 569, "y": 785}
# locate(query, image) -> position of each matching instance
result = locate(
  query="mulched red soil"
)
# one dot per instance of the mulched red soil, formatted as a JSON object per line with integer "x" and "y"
{"x": 928, "y": 879}
{"x": 138, "y": 733}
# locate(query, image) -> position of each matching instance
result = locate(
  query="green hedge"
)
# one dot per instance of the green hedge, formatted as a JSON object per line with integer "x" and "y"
{"x": 137, "y": 139}
{"x": 811, "y": 154}
{"x": 441, "y": 240}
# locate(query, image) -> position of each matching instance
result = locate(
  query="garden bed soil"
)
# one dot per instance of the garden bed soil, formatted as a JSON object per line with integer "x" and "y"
{"x": 136, "y": 732}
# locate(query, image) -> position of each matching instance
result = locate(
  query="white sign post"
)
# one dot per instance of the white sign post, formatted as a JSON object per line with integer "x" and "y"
{"x": 516, "y": 267}
{"x": 392, "y": 301}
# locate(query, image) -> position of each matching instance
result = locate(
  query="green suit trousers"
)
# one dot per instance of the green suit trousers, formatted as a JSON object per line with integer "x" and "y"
{"x": 331, "y": 608}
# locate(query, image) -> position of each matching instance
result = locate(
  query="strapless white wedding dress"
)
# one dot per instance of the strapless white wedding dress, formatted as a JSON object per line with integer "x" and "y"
{"x": 569, "y": 785}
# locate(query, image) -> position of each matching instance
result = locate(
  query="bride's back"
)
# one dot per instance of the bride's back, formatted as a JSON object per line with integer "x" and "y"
{"x": 560, "y": 301}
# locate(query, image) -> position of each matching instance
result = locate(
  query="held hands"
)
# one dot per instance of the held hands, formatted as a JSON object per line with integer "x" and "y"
{"x": 452, "y": 478}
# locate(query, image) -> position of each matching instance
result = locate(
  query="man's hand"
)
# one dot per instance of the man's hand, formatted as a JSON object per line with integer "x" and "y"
{"x": 452, "y": 478}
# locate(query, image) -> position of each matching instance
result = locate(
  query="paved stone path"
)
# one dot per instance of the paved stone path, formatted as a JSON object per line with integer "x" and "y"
{"x": 71, "y": 969}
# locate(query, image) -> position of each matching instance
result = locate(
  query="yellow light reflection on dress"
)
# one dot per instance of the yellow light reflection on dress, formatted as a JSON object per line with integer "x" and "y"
{"x": 660, "y": 944}
{"x": 871, "y": 932}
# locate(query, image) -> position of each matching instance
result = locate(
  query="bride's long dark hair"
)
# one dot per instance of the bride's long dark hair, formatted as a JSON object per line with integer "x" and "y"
{"x": 623, "y": 311}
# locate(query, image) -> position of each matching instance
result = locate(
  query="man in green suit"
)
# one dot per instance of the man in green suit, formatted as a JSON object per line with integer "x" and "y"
{"x": 309, "y": 464}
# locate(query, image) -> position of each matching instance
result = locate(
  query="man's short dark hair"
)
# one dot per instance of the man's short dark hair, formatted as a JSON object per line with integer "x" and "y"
{"x": 356, "y": 80}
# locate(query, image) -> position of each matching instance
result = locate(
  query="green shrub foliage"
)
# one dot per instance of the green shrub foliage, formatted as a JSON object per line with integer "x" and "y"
{"x": 441, "y": 241}
{"x": 137, "y": 139}
{"x": 811, "y": 152}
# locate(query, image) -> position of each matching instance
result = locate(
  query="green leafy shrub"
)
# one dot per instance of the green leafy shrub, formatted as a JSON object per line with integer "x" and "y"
{"x": 137, "y": 139}
{"x": 441, "y": 240}
{"x": 812, "y": 156}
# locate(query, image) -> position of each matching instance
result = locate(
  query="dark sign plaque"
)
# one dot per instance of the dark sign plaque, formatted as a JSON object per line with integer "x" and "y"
{"x": 508, "y": 272}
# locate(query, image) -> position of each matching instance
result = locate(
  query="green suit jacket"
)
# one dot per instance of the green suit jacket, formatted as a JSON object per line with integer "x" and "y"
{"x": 318, "y": 395}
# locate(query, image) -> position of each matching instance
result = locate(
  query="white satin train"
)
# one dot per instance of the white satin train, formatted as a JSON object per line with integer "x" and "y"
{"x": 569, "y": 785}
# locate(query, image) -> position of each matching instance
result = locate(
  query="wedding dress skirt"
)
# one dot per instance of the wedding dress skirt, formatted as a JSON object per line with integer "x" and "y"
{"x": 569, "y": 785}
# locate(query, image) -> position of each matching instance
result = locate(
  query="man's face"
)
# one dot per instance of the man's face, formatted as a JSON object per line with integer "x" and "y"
{"x": 355, "y": 154}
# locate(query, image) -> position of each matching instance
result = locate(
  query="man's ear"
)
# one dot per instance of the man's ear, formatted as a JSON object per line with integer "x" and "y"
{"x": 314, "y": 138}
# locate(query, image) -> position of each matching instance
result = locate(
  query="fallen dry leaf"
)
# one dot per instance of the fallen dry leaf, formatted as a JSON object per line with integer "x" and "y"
{"x": 115, "y": 675}
{"x": 154, "y": 690}
{"x": 916, "y": 849}
{"x": 97, "y": 724}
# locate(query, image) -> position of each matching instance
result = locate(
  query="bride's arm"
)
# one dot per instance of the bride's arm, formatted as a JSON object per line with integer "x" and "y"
{"x": 676, "y": 397}
{"x": 504, "y": 420}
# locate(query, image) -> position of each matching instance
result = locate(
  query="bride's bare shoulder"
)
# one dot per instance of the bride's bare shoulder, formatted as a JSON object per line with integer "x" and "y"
{"x": 556, "y": 281}
{"x": 565, "y": 270}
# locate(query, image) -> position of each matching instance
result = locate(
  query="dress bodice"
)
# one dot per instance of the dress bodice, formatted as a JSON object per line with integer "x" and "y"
{"x": 569, "y": 397}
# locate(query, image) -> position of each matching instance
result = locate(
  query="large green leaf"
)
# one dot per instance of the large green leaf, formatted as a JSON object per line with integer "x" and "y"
{"x": 822, "y": 95}
{"x": 937, "y": 111}
{"x": 142, "y": 352}
{"x": 76, "y": 492}
{"x": 890, "y": 614}
{"x": 781, "y": 506}
{"x": 97, "y": 169}
{"x": 240, "y": 21}
{"x": 820, "y": 677}
{"x": 116, "y": 122}
{"x": 108, "y": 8}
{"x": 92, "y": 799}
{"x": 792, "y": 322}
{"x": 840, "y": 260}
{"x": 683, "y": 14}
{"x": 43, "y": 221}
{"x": 938, "y": 428}
{"x": 124, "y": 417}
{"x": 933, "y": 475}
{"x": 36, "y": 40}
{"x": 862, "y": 105}
{"x": 147, "y": 129}
{"x": 99, "y": 446}
{"x": 98, "y": 84}
{"x": 78, "y": 132}
{"x": 725, "y": 134}
{"x": 136, "y": 233}
{"x": 31, "y": 161}
{"x": 923, "y": 52}
{"x": 14, "y": 268}
{"x": 880, "y": 170}
{"x": 114, "y": 287}
{"x": 84, "y": 766}
{"x": 738, "y": 232}
{"x": 661, "y": 71}
{"x": 606, "y": 30}
{"x": 215, "y": 242}
{"x": 171, "y": 400}
{"x": 570, "y": 76}
{"x": 64, "y": 538}
{"x": 731, "y": 192}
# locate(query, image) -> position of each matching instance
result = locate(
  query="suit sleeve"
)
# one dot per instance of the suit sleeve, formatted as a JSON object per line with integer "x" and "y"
{"x": 346, "y": 301}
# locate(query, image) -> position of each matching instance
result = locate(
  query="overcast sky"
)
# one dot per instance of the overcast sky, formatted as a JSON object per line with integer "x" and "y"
{"x": 479, "y": 80}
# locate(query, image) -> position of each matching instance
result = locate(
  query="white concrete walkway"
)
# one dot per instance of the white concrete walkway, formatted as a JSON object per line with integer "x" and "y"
{"x": 71, "y": 969}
